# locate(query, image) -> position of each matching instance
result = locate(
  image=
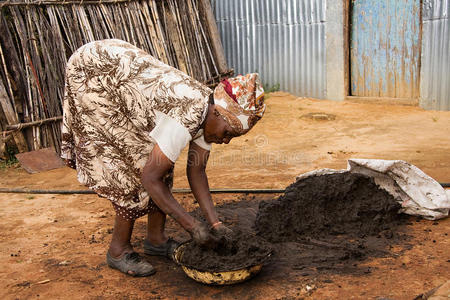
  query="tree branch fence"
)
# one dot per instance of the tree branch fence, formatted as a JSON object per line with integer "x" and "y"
{"x": 38, "y": 37}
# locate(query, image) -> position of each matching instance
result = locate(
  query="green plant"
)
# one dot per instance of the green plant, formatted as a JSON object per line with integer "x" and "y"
{"x": 11, "y": 160}
{"x": 270, "y": 89}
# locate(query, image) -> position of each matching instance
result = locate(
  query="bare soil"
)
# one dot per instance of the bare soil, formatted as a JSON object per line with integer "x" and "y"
{"x": 53, "y": 246}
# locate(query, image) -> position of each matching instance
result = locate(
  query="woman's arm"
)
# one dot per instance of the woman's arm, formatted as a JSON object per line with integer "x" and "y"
{"x": 198, "y": 181}
{"x": 154, "y": 171}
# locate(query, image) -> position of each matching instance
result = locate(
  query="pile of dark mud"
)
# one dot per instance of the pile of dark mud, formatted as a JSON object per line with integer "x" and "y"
{"x": 237, "y": 251}
{"x": 334, "y": 204}
{"x": 331, "y": 223}
{"x": 321, "y": 224}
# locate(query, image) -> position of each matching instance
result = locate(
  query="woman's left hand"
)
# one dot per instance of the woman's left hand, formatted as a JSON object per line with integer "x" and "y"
{"x": 220, "y": 230}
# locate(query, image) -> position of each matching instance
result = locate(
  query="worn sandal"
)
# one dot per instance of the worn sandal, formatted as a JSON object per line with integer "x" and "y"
{"x": 131, "y": 264}
{"x": 166, "y": 249}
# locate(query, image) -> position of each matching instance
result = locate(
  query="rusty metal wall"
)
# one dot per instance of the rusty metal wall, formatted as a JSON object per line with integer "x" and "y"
{"x": 282, "y": 40}
{"x": 435, "y": 63}
{"x": 385, "y": 48}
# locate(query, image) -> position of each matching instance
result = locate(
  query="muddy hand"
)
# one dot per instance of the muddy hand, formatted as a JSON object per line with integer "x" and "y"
{"x": 221, "y": 230}
{"x": 222, "y": 234}
{"x": 202, "y": 236}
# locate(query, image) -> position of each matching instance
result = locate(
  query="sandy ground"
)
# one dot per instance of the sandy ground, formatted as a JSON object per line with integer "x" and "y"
{"x": 53, "y": 246}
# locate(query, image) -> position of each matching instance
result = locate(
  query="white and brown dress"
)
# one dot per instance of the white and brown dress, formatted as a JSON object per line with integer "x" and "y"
{"x": 119, "y": 102}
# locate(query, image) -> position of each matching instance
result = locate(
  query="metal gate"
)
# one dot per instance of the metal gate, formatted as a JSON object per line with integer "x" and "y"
{"x": 385, "y": 48}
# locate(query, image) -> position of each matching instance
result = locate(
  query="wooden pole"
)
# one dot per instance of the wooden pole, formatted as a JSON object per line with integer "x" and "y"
{"x": 11, "y": 117}
{"x": 13, "y": 68}
{"x": 205, "y": 8}
{"x": 20, "y": 126}
{"x": 61, "y": 3}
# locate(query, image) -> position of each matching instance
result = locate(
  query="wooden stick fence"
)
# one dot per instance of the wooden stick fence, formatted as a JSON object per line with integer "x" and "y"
{"x": 20, "y": 126}
{"x": 37, "y": 38}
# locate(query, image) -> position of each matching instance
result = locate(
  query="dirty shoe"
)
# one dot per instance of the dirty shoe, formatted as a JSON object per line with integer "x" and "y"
{"x": 131, "y": 264}
{"x": 165, "y": 249}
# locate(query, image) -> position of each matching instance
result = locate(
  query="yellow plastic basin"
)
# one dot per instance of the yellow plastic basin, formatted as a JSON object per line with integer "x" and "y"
{"x": 216, "y": 278}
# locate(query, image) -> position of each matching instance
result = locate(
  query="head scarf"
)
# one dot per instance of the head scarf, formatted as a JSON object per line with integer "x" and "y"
{"x": 240, "y": 101}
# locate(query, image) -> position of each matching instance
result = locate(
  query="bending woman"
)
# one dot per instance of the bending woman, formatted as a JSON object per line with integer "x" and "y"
{"x": 127, "y": 117}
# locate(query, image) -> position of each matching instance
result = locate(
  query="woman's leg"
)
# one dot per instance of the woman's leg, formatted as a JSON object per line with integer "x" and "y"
{"x": 121, "y": 237}
{"x": 155, "y": 227}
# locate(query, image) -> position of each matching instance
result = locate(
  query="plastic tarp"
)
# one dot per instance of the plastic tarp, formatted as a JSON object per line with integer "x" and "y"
{"x": 418, "y": 193}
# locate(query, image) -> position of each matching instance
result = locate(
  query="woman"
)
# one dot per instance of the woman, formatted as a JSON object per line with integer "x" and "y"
{"x": 127, "y": 117}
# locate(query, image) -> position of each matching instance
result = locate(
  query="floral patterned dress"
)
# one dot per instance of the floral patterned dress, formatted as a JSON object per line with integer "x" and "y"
{"x": 119, "y": 102}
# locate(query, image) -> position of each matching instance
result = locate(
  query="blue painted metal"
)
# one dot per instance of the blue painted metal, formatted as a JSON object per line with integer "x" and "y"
{"x": 435, "y": 63}
{"x": 384, "y": 48}
{"x": 282, "y": 40}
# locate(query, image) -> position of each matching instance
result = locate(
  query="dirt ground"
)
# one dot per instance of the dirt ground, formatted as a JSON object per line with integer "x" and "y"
{"x": 53, "y": 246}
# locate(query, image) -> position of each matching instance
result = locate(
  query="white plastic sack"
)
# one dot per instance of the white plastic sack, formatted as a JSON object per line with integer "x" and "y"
{"x": 418, "y": 193}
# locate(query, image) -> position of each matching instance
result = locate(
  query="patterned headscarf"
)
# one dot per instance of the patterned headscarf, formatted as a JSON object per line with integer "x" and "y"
{"x": 240, "y": 101}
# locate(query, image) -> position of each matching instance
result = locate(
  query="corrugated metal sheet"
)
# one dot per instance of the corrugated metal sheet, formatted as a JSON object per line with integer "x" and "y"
{"x": 384, "y": 52}
{"x": 282, "y": 40}
{"x": 435, "y": 68}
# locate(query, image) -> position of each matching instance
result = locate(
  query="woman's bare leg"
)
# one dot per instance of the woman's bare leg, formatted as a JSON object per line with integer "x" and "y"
{"x": 155, "y": 228}
{"x": 121, "y": 237}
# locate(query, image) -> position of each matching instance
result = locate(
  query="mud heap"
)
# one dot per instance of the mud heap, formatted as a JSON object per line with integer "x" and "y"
{"x": 335, "y": 204}
{"x": 325, "y": 223}
{"x": 239, "y": 250}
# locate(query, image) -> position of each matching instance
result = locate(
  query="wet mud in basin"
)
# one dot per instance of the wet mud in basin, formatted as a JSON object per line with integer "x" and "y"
{"x": 238, "y": 251}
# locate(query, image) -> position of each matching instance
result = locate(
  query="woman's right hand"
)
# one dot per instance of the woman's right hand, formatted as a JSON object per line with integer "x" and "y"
{"x": 221, "y": 231}
{"x": 201, "y": 235}
{"x": 210, "y": 237}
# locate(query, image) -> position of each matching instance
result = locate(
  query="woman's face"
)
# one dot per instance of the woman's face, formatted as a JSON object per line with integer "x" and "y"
{"x": 217, "y": 130}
